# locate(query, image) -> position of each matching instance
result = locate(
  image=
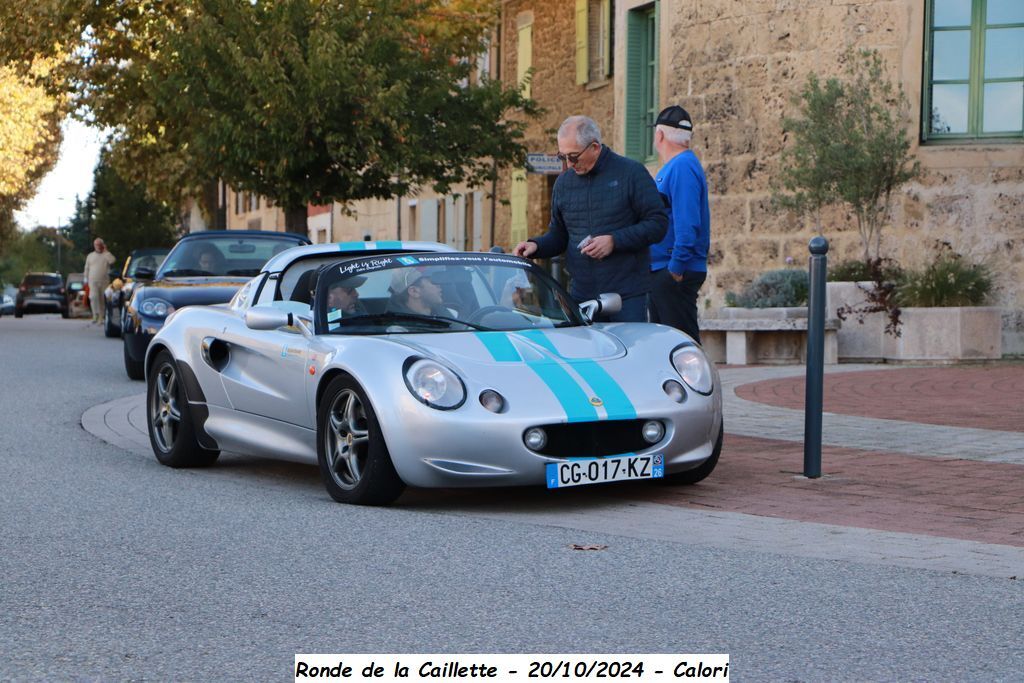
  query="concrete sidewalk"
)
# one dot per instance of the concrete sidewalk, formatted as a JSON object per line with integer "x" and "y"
{"x": 941, "y": 486}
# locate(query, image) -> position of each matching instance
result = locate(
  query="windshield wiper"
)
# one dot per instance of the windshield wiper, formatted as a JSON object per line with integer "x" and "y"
{"x": 244, "y": 271}
{"x": 392, "y": 316}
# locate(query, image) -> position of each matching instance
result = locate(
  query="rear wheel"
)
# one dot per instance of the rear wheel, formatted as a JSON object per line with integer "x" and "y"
{"x": 136, "y": 369}
{"x": 702, "y": 471}
{"x": 18, "y": 312}
{"x": 64, "y": 313}
{"x": 171, "y": 429}
{"x": 354, "y": 459}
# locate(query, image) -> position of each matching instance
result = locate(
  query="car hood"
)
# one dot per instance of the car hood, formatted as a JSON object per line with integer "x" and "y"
{"x": 490, "y": 348}
{"x": 189, "y": 291}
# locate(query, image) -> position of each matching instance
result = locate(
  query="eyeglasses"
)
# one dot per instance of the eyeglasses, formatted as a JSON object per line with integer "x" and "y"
{"x": 573, "y": 158}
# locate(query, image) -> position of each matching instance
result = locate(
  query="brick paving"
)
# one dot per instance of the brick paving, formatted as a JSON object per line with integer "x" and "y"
{"x": 951, "y": 498}
{"x": 979, "y": 397}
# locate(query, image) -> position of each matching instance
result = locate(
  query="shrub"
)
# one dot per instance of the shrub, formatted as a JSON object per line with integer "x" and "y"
{"x": 948, "y": 280}
{"x": 772, "y": 289}
{"x": 860, "y": 271}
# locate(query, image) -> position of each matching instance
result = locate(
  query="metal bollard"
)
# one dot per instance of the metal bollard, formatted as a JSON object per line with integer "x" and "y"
{"x": 815, "y": 357}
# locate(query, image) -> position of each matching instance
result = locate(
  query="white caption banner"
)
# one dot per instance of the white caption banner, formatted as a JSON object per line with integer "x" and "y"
{"x": 426, "y": 668}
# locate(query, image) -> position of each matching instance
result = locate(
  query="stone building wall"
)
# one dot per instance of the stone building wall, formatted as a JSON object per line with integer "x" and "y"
{"x": 554, "y": 86}
{"x": 736, "y": 65}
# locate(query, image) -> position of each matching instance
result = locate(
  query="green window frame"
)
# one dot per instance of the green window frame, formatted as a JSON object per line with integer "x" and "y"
{"x": 973, "y": 70}
{"x": 641, "y": 81}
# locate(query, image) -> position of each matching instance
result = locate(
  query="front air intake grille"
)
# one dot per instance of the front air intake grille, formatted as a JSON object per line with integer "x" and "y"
{"x": 594, "y": 439}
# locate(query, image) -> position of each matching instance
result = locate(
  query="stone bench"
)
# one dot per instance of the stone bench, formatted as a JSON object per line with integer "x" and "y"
{"x": 742, "y": 340}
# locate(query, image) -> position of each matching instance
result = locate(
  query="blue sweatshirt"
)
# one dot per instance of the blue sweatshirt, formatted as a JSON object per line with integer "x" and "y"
{"x": 684, "y": 188}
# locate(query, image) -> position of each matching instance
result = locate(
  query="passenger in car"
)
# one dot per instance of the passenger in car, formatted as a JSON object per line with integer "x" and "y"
{"x": 413, "y": 291}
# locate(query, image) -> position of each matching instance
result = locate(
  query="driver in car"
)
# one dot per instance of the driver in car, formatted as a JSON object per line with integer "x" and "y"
{"x": 343, "y": 296}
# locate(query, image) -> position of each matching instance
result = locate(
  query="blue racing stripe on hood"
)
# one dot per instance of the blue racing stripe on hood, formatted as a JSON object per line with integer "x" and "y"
{"x": 499, "y": 346}
{"x": 567, "y": 391}
{"x": 573, "y": 399}
{"x": 389, "y": 244}
{"x": 616, "y": 402}
{"x": 351, "y": 246}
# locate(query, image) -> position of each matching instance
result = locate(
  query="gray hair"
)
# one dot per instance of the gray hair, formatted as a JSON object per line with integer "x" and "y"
{"x": 584, "y": 128}
{"x": 677, "y": 136}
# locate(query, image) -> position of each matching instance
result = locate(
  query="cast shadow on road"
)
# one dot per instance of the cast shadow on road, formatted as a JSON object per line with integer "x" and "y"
{"x": 304, "y": 480}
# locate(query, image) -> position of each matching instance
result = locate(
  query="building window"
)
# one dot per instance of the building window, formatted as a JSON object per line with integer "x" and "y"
{"x": 594, "y": 22}
{"x": 238, "y": 203}
{"x": 641, "y": 81}
{"x": 974, "y": 67}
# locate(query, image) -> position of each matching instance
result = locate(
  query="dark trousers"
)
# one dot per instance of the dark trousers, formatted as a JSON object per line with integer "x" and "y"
{"x": 675, "y": 303}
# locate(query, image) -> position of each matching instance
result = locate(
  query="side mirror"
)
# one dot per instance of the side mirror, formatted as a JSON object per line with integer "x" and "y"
{"x": 606, "y": 304}
{"x": 145, "y": 274}
{"x": 267, "y": 318}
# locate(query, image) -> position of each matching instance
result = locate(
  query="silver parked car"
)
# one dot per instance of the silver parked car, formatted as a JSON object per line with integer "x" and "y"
{"x": 429, "y": 369}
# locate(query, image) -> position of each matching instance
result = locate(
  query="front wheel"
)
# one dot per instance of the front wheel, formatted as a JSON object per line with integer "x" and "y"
{"x": 354, "y": 460}
{"x": 172, "y": 433}
{"x": 136, "y": 369}
{"x": 702, "y": 471}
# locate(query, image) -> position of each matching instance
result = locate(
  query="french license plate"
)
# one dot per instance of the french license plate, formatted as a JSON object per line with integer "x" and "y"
{"x": 580, "y": 471}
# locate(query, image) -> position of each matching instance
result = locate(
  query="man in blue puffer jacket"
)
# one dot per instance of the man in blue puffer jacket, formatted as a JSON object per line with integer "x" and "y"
{"x": 606, "y": 212}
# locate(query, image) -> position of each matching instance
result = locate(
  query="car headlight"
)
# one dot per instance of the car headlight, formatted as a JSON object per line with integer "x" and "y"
{"x": 692, "y": 365}
{"x": 434, "y": 384}
{"x": 156, "y": 308}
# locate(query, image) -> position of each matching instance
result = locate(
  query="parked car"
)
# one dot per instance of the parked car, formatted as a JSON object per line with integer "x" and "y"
{"x": 7, "y": 307}
{"x": 503, "y": 381}
{"x": 41, "y": 292}
{"x": 78, "y": 296}
{"x": 203, "y": 268}
{"x": 140, "y": 266}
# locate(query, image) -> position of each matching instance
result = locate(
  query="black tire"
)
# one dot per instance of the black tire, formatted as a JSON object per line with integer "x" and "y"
{"x": 64, "y": 313}
{"x": 172, "y": 433}
{"x": 109, "y": 328}
{"x": 18, "y": 312}
{"x": 136, "y": 369}
{"x": 701, "y": 472}
{"x": 360, "y": 471}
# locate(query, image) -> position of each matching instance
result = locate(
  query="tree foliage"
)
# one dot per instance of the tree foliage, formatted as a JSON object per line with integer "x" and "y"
{"x": 29, "y": 129}
{"x": 122, "y": 214}
{"x": 850, "y": 146}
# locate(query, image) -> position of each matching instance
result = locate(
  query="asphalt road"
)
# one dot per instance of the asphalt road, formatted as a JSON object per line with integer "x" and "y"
{"x": 113, "y": 567}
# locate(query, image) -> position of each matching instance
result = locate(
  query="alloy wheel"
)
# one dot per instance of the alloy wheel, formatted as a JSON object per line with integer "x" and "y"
{"x": 164, "y": 409}
{"x": 347, "y": 439}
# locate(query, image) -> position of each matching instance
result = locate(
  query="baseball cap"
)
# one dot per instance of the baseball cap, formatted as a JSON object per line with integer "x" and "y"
{"x": 404, "y": 278}
{"x": 675, "y": 117}
{"x": 351, "y": 281}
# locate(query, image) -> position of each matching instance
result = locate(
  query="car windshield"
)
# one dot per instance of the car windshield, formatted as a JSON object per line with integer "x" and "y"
{"x": 439, "y": 293}
{"x": 222, "y": 256}
{"x": 149, "y": 260}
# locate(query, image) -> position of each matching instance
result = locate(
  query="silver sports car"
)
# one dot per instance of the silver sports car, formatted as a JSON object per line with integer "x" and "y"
{"x": 411, "y": 364}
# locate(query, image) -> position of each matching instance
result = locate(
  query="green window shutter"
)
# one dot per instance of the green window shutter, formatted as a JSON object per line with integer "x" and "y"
{"x": 634, "y": 82}
{"x": 607, "y": 20}
{"x": 517, "y": 200}
{"x": 582, "y": 43}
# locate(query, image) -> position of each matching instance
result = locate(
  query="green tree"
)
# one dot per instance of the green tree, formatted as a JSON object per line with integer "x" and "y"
{"x": 850, "y": 147}
{"x": 122, "y": 214}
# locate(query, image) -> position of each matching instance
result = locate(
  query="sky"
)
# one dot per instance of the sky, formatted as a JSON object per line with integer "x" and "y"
{"x": 71, "y": 177}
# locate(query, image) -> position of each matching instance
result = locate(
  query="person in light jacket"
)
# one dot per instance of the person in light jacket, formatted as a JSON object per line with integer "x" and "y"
{"x": 97, "y": 276}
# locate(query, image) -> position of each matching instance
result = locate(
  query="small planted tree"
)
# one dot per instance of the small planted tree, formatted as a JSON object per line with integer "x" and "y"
{"x": 850, "y": 147}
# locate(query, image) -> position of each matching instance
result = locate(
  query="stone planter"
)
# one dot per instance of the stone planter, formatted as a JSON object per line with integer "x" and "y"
{"x": 926, "y": 334}
{"x": 947, "y": 334}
